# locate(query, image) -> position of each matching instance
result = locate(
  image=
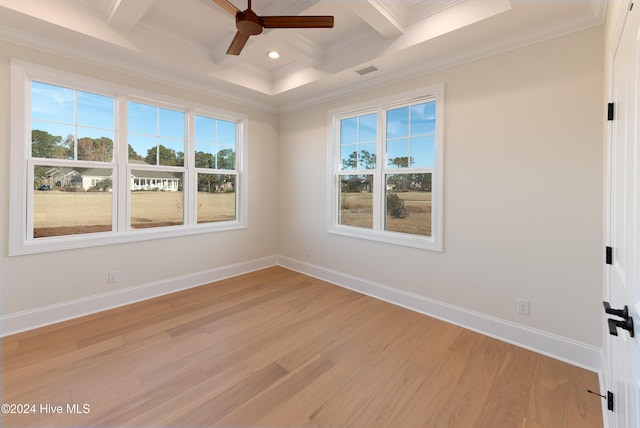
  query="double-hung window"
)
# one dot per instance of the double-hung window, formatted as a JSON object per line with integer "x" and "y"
{"x": 94, "y": 163}
{"x": 386, "y": 169}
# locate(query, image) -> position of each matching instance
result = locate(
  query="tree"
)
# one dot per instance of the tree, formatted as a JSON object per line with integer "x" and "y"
{"x": 368, "y": 159}
{"x": 167, "y": 156}
{"x": 133, "y": 155}
{"x": 95, "y": 149}
{"x": 104, "y": 185}
{"x": 364, "y": 160}
{"x": 67, "y": 149}
{"x": 402, "y": 162}
{"x": 395, "y": 206}
{"x": 422, "y": 181}
{"x": 204, "y": 160}
{"x": 226, "y": 159}
{"x": 45, "y": 145}
{"x": 352, "y": 162}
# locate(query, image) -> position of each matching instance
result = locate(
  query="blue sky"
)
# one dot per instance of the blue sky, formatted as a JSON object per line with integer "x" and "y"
{"x": 62, "y": 111}
{"x": 410, "y": 132}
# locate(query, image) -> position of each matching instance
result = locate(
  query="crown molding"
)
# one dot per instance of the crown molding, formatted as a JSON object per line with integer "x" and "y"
{"x": 579, "y": 22}
{"x": 214, "y": 87}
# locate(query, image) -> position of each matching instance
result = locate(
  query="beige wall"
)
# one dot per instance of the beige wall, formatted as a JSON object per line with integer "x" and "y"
{"x": 34, "y": 281}
{"x": 523, "y": 190}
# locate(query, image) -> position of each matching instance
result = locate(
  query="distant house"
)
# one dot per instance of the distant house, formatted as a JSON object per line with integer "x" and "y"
{"x": 92, "y": 177}
{"x": 89, "y": 179}
{"x": 154, "y": 180}
{"x": 62, "y": 177}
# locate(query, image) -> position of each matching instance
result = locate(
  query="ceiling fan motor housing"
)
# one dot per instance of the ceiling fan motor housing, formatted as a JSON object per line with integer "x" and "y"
{"x": 249, "y": 23}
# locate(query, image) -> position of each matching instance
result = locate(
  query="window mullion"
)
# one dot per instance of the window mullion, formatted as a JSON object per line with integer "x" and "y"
{"x": 379, "y": 182}
{"x": 30, "y": 195}
{"x": 190, "y": 180}
{"x": 121, "y": 171}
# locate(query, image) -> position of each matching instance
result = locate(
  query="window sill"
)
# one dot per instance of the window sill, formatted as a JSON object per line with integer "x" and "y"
{"x": 71, "y": 242}
{"x": 401, "y": 239}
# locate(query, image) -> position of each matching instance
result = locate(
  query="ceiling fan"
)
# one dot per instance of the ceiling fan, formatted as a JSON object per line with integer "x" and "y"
{"x": 250, "y": 24}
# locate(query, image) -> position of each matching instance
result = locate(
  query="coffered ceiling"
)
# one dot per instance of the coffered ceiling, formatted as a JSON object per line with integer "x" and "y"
{"x": 184, "y": 42}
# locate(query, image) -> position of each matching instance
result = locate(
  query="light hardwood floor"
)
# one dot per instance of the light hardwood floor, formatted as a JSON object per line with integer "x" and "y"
{"x": 278, "y": 349}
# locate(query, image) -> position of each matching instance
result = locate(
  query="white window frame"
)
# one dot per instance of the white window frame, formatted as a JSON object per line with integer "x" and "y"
{"x": 21, "y": 191}
{"x": 377, "y": 233}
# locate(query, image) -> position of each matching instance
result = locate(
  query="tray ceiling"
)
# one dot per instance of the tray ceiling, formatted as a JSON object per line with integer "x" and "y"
{"x": 184, "y": 41}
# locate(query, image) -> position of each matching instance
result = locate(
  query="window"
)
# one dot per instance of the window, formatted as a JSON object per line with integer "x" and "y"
{"x": 94, "y": 163}
{"x": 386, "y": 177}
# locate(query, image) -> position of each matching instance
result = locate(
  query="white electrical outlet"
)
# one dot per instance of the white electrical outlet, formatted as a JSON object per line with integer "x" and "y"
{"x": 112, "y": 277}
{"x": 522, "y": 306}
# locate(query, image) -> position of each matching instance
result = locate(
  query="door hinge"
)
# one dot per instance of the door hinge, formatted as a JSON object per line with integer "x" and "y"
{"x": 609, "y": 256}
{"x": 610, "y": 400}
{"x": 610, "y": 111}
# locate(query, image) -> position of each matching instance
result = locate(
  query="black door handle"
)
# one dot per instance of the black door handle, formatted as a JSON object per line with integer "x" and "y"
{"x": 622, "y": 313}
{"x": 625, "y": 325}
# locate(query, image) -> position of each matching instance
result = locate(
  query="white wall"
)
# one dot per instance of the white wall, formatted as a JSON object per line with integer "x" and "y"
{"x": 523, "y": 191}
{"x": 31, "y": 282}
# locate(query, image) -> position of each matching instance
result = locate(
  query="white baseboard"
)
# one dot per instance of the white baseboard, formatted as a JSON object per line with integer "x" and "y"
{"x": 561, "y": 348}
{"x": 47, "y": 315}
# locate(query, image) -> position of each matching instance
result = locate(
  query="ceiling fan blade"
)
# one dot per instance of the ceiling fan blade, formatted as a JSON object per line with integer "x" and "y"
{"x": 297, "y": 21}
{"x": 226, "y": 5}
{"x": 237, "y": 43}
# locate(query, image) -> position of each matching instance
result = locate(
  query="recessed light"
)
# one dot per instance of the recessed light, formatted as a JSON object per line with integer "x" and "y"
{"x": 273, "y": 54}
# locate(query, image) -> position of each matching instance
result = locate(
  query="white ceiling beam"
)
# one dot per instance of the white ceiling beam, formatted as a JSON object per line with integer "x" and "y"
{"x": 303, "y": 50}
{"x": 127, "y": 13}
{"x": 286, "y": 8}
{"x": 384, "y": 16}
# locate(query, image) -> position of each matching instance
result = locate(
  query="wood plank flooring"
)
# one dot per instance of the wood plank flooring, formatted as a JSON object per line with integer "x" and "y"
{"x": 275, "y": 348}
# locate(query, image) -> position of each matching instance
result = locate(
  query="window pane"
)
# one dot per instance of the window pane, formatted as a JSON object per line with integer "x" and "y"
{"x": 156, "y": 199}
{"x": 143, "y": 118}
{"x": 70, "y": 201}
{"x": 52, "y": 103}
{"x": 408, "y": 203}
{"x": 349, "y": 157}
{"x": 349, "y": 130}
{"x": 398, "y": 154}
{"x": 216, "y": 198}
{"x": 367, "y": 156}
{"x": 142, "y": 148}
{"x": 52, "y": 141}
{"x": 95, "y": 145}
{"x": 215, "y": 143}
{"x": 168, "y": 153}
{"x": 156, "y": 135}
{"x": 226, "y": 158}
{"x": 398, "y": 122}
{"x": 358, "y": 142}
{"x": 205, "y": 156}
{"x": 96, "y": 111}
{"x": 356, "y": 200}
{"x": 423, "y": 119}
{"x": 423, "y": 152}
{"x": 205, "y": 131}
{"x": 171, "y": 124}
{"x": 75, "y": 116}
{"x": 367, "y": 127}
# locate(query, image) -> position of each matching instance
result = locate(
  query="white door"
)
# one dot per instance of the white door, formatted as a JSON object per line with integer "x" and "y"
{"x": 622, "y": 352}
